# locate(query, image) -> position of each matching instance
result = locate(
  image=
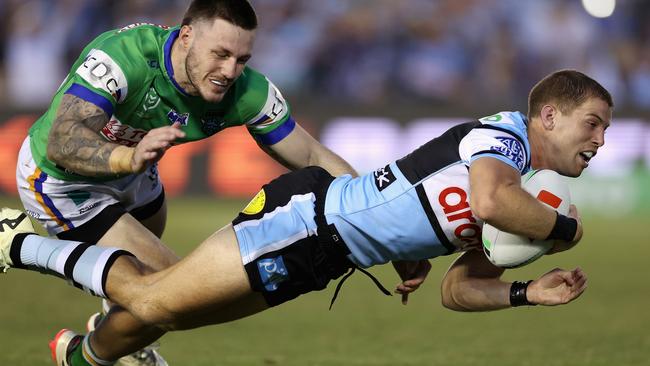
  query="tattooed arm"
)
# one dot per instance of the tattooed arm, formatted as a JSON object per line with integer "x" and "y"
{"x": 75, "y": 143}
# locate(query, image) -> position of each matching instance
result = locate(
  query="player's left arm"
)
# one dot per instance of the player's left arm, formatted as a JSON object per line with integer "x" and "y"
{"x": 472, "y": 283}
{"x": 299, "y": 149}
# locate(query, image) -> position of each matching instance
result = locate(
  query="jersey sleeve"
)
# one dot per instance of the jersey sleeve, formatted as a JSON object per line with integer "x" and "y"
{"x": 104, "y": 75}
{"x": 503, "y": 137}
{"x": 266, "y": 114}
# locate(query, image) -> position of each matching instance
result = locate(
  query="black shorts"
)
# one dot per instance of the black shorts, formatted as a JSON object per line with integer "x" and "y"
{"x": 95, "y": 228}
{"x": 287, "y": 247}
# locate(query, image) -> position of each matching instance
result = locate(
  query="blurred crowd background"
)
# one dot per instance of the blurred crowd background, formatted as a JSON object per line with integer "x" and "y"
{"x": 455, "y": 53}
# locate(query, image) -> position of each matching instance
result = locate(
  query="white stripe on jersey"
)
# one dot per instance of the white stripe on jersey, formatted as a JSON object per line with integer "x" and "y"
{"x": 277, "y": 245}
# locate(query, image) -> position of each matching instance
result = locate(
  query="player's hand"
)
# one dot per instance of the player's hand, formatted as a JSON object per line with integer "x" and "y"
{"x": 154, "y": 145}
{"x": 557, "y": 287}
{"x": 413, "y": 274}
{"x": 560, "y": 245}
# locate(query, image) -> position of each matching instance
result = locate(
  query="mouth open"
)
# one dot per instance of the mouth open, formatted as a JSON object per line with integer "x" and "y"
{"x": 219, "y": 84}
{"x": 587, "y": 156}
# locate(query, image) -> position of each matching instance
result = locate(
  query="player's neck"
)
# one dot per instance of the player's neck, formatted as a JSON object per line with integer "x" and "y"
{"x": 538, "y": 154}
{"x": 178, "y": 58}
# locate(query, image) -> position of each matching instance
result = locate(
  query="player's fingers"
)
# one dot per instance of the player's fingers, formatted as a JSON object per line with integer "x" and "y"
{"x": 414, "y": 282}
{"x": 567, "y": 277}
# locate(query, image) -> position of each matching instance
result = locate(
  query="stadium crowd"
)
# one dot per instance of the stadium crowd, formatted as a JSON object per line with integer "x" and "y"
{"x": 362, "y": 51}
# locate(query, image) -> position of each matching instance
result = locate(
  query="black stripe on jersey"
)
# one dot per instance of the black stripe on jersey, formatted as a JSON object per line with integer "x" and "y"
{"x": 435, "y": 154}
{"x": 433, "y": 220}
{"x": 490, "y": 127}
{"x": 484, "y": 152}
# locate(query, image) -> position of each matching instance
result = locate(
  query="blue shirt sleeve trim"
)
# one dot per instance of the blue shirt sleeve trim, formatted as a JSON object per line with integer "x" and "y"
{"x": 90, "y": 96}
{"x": 279, "y": 133}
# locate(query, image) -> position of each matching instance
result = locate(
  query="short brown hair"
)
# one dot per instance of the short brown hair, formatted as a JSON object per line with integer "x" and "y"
{"x": 566, "y": 88}
{"x": 237, "y": 12}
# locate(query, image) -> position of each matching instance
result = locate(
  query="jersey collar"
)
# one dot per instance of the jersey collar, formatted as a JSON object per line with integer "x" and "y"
{"x": 167, "y": 55}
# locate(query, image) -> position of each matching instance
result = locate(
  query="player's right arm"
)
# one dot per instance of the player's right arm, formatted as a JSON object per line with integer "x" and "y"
{"x": 472, "y": 283}
{"x": 75, "y": 142}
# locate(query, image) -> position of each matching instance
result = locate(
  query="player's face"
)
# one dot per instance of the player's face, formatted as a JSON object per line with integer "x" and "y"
{"x": 579, "y": 134}
{"x": 216, "y": 57}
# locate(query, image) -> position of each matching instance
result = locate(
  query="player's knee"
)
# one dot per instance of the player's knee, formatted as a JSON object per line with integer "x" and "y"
{"x": 151, "y": 312}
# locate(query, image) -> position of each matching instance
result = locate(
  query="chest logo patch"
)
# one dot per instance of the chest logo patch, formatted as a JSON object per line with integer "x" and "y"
{"x": 178, "y": 117}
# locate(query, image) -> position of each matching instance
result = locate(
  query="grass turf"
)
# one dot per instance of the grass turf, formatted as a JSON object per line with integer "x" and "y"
{"x": 608, "y": 325}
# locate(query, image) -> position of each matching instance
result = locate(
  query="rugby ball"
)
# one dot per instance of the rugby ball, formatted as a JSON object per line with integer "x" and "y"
{"x": 509, "y": 250}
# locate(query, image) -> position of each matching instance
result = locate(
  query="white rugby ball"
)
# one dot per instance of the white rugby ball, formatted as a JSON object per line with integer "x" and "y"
{"x": 509, "y": 250}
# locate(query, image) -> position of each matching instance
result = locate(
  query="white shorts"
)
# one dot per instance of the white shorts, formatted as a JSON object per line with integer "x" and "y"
{"x": 61, "y": 205}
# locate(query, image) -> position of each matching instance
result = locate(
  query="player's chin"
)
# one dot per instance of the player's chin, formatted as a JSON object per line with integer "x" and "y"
{"x": 211, "y": 95}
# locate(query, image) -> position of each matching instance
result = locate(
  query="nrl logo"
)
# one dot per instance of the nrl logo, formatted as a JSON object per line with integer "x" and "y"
{"x": 151, "y": 100}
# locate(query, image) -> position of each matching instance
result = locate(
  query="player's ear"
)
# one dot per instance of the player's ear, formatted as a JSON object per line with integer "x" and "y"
{"x": 548, "y": 115}
{"x": 185, "y": 35}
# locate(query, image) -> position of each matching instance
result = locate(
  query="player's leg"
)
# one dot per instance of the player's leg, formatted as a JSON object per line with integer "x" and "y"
{"x": 91, "y": 213}
{"x": 125, "y": 334}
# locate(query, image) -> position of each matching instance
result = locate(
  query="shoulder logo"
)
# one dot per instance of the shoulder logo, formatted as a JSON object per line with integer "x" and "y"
{"x": 384, "y": 177}
{"x": 512, "y": 149}
{"x": 492, "y": 118}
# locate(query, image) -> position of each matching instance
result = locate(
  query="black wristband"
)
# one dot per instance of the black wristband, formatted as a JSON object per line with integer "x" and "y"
{"x": 565, "y": 228}
{"x": 518, "y": 294}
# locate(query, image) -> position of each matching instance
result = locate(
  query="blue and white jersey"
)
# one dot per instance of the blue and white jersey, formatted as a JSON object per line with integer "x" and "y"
{"x": 418, "y": 206}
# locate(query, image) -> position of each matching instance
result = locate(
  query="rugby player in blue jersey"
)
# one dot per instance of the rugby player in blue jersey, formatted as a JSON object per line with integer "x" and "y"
{"x": 306, "y": 228}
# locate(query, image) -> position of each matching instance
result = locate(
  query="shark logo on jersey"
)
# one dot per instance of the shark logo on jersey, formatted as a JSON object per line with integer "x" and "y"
{"x": 512, "y": 149}
{"x": 384, "y": 177}
{"x": 178, "y": 117}
{"x": 272, "y": 272}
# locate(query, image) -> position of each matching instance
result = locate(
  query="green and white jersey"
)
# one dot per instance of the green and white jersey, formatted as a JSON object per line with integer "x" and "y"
{"x": 128, "y": 73}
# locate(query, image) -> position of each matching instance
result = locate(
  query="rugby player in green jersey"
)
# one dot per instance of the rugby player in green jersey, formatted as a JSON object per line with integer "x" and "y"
{"x": 87, "y": 170}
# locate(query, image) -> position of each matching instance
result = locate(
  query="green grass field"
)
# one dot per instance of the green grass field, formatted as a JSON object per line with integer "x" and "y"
{"x": 609, "y": 325}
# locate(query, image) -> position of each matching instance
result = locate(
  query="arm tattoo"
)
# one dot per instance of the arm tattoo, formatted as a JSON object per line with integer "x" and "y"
{"x": 74, "y": 141}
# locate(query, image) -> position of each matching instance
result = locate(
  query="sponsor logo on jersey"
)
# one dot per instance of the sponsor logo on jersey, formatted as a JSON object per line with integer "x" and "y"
{"x": 178, "y": 117}
{"x": 33, "y": 214}
{"x": 492, "y": 118}
{"x": 100, "y": 71}
{"x": 122, "y": 134}
{"x": 384, "y": 177}
{"x": 272, "y": 272}
{"x": 512, "y": 149}
{"x": 88, "y": 208}
{"x": 256, "y": 205}
{"x": 455, "y": 205}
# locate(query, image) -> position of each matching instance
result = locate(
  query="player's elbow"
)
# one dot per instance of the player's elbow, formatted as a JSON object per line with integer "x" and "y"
{"x": 452, "y": 295}
{"x": 484, "y": 206}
